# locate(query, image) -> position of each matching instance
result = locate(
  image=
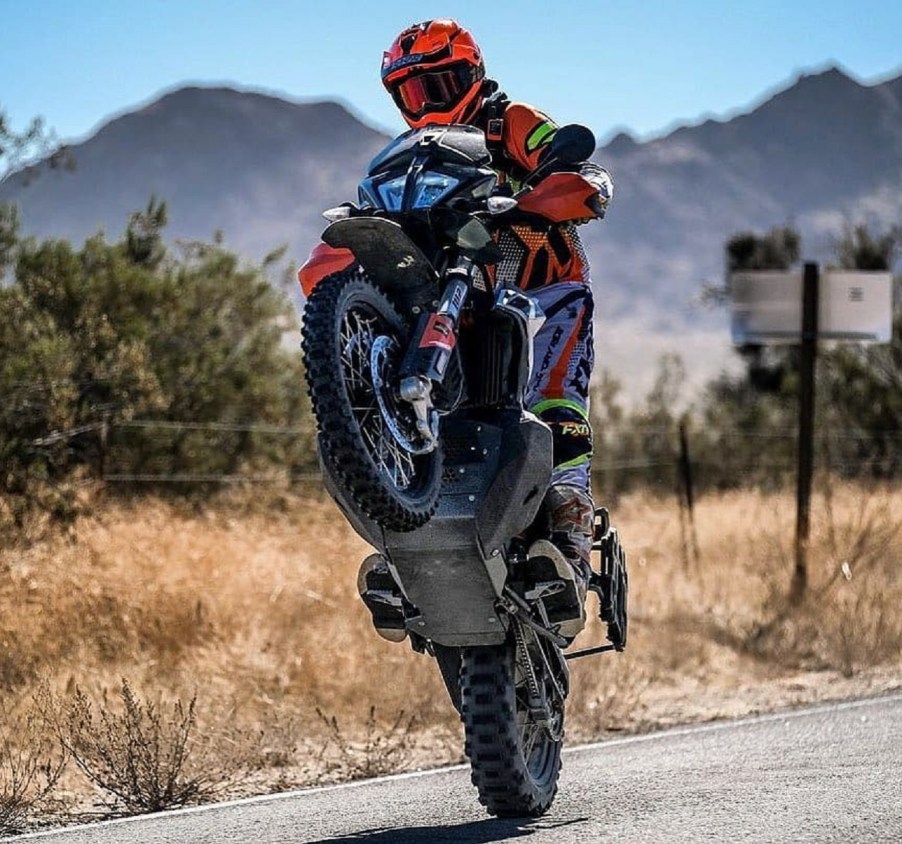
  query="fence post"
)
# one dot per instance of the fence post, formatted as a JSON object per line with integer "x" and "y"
{"x": 103, "y": 435}
{"x": 685, "y": 469}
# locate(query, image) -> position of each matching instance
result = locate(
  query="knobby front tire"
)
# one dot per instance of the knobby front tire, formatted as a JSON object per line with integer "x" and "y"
{"x": 362, "y": 425}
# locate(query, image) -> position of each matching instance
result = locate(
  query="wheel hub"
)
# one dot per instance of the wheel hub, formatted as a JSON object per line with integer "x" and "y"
{"x": 397, "y": 415}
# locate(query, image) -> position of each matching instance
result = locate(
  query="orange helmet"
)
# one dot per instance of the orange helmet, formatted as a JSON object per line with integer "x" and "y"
{"x": 434, "y": 72}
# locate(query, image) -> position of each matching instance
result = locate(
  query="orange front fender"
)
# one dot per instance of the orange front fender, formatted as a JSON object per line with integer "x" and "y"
{"x": 323, "y": 261}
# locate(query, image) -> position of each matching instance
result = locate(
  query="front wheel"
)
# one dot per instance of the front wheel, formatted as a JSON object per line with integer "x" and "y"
{"x": 514, "y": 745}
{"x": 354, "y": 340}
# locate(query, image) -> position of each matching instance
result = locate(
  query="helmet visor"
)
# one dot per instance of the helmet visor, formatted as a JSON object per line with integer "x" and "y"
{"x": 438, "y": 90}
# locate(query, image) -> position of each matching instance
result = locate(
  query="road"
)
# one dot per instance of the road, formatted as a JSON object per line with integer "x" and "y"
{"x": 824, "y": 774}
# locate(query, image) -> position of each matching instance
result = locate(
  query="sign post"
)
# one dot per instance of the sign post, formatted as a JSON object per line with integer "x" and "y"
{"x": 779, "y": 308}
{"x": 808, "y": 362}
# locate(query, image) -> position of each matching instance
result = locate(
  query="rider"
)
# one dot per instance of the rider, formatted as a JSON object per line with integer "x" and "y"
{"x": 435, "y": 73}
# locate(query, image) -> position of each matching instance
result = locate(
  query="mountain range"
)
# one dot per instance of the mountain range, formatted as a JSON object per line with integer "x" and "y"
{"x": 823, "y": 152}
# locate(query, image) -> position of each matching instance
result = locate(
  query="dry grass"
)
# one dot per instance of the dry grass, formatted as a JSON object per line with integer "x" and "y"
{"x": 254, "y": 611}
{"x": 383, "y": 748}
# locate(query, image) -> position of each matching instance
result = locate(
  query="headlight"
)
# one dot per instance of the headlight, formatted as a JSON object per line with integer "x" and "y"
{"x": 431, "y": 187}
{"x": 392, "y": 192}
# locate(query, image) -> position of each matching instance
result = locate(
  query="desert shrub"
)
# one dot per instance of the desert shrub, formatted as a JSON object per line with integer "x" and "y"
{"x": 139, "y": 753}
{"x": 31, "y": 762}
{"x": 637, "y": 446}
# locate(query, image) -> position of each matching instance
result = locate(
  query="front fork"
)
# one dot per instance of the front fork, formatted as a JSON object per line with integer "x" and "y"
{"x": 429, "y": 352}
{"x": 430, "y": 349}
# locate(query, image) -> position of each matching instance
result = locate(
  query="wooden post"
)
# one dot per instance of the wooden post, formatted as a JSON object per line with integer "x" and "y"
{"x": 681, "y": 504}
{"x": 103, "y": 445}
{"x": 806, "y": 431}
{"x": 686, "y": 475}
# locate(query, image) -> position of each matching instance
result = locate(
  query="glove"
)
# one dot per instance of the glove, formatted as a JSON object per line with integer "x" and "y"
{"x": 598, "y": 205}
{"x": 600, "y": 179}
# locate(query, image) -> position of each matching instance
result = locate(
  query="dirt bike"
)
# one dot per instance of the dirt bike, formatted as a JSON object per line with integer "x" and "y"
{"x": 417, "y": 366}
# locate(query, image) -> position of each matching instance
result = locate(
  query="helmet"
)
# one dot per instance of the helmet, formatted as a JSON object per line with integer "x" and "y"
{"x": 434, "y": 72}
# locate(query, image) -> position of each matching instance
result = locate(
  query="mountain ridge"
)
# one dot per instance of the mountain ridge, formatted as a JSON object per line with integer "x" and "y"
{"x": 821, "y": 152}
{"x": 816, "y": 153}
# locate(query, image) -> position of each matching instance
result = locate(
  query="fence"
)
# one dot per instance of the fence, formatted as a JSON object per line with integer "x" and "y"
{"x": 662, "y": 457}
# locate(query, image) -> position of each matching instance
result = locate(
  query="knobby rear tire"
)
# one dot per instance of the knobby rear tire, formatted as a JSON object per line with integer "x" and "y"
{"x": 508, "y": 785}
{"x": 341, "y": 440}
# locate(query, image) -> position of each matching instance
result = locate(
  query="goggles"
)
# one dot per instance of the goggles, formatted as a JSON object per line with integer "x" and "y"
{"x": 438, "y": 90}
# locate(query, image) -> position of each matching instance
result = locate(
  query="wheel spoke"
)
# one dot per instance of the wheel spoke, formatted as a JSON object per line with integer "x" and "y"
{"x": 528, "y": 740}
{"x": 389, "y": 441}
{"x": 356, "y": 343}
{"x": 535, "y": 683}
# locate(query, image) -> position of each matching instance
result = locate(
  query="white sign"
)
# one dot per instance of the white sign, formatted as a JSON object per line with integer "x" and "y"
{"x": 853, "y": 306}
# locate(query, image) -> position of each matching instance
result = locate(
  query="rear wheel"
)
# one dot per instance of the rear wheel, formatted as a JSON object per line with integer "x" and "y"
{"x": 353, "y": 343}
{"x": 513, "y": 743}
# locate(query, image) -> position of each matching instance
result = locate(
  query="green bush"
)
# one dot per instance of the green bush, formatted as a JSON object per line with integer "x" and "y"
{"x": 99, "y": 338}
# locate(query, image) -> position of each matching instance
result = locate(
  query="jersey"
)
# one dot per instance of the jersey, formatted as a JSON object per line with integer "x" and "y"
{"x": 536, "y": 253}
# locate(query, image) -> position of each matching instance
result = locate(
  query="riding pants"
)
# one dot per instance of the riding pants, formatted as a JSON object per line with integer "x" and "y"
{"x": 558, "y": 391}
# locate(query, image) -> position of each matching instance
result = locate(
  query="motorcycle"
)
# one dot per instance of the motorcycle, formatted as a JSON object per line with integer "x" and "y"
{"x": 417, "y": 365}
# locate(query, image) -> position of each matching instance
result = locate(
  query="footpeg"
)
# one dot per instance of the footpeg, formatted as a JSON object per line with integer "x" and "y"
{"x": 602, "y": 523}
{"x": 382, "y": 597}
{"x": 545, "y": 589}
{"x": 565, "y": 604}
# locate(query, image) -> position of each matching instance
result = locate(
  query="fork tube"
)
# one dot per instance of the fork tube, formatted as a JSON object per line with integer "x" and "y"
{"x": 436, "y": 333}
{"x": 456, "y": 289}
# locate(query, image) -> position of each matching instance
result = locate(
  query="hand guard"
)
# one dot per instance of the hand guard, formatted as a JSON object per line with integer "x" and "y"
{"x": 566, "y": 195}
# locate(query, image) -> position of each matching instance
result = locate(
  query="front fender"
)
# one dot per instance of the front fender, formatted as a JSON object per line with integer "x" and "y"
{"x": 324, "y": 260}
{"x": 388, "y": 256}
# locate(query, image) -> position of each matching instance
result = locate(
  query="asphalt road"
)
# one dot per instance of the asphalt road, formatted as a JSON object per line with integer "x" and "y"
{"x": 824, "y": 774}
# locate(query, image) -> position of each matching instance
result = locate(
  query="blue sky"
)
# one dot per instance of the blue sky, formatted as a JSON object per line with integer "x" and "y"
{"x": 644, "y": 66}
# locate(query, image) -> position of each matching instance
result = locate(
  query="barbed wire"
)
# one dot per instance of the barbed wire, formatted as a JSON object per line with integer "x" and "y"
{"x": 735, "y": 433}
{"x": 186, "y": 478}
{"x": 632, "y": 464}
{"x": 887, "y": 433}
{"x": 229, "y": 427}
{"x": 731, "y": 462}
{"x": 294, "y": 430}
{"x": 59, "y": 436}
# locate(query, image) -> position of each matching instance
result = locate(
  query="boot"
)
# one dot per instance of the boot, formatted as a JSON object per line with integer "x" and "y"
{"x": 555, "y": 580}
{"x": 570, "y": 518}
{"x": 382, "y": 597}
